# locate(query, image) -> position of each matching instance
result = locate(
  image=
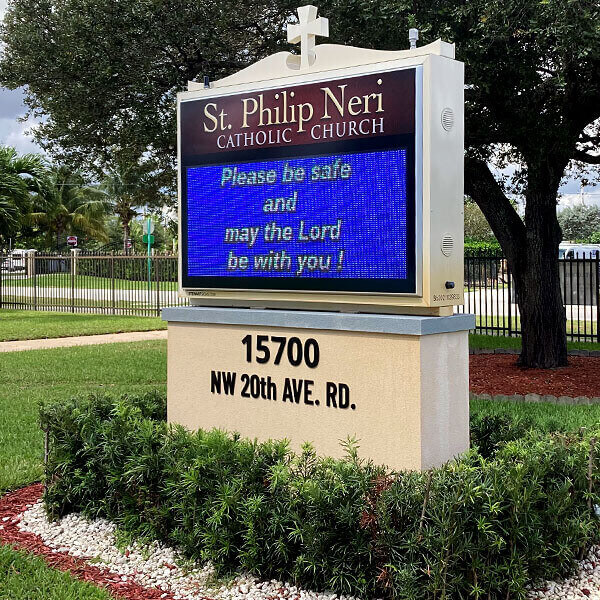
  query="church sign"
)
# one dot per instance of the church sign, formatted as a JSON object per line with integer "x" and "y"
{"x": 321, "y": 228}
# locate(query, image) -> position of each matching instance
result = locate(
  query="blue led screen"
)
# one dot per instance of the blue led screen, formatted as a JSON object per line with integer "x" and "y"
{"x": 341, "y": 216}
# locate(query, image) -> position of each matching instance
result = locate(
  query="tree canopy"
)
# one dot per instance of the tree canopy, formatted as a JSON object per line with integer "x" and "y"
{"x": 68, "y": 206}
{"x": 105, "y": 76}
{"x": 477, "y": 229}
{"x": 22, "y": 178}
{"x": 131, "y": 185}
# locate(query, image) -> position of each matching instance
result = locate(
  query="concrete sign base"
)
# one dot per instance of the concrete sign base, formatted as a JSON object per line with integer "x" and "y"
{"x": 396, "y": 383}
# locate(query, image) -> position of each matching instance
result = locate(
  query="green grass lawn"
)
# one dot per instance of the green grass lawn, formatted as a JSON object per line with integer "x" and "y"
{"x": 542, "y": 416}
{"x": 500, "y": 341}
{"x": 586, "y": 328}
{"x": 27, "y": 378}
{"x": 27, "y": 577}
{"x": 31, "y": 325}
{"x": 63, "y": 280}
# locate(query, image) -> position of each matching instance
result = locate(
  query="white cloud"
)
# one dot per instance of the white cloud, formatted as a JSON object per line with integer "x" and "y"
{"x": 583, "y": 198}
{"x": 13, "y": 133}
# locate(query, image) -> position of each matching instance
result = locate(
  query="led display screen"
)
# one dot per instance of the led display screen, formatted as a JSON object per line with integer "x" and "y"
{"x": 339, "y": 216}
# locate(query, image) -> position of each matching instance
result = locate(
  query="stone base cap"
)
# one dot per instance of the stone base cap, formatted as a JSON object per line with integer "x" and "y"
{"x": 372, "y": 323}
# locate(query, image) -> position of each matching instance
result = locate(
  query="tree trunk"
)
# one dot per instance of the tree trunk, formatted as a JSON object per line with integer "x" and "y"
{"x": 543, "y": 320}
{"x": 59, "y": 231}
{"x": 543, "y": 323}
{"x": 531, "y": 249}
{"x": 125, "y": 237}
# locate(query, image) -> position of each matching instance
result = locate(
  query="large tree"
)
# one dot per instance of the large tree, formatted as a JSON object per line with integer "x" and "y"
{"x": 477, "y": 229}
{"x": 579, "y": 222}
{"x": 105, "y": 75}
{"x": 133, "y": 184}
{"x": 532, "y": 97}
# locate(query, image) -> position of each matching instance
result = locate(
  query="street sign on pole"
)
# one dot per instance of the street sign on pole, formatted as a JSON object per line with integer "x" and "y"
{"x": 72, "y": 241}
{"x": 148, "y": 238}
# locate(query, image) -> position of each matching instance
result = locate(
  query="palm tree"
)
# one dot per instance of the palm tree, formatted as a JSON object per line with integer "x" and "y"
{"x": 9, "y": 217}
{"x": 21, "y": 180}
{"x": 130, "y": 185}
{"x": 120, "y": 185}
{"x": 68, "y": 206}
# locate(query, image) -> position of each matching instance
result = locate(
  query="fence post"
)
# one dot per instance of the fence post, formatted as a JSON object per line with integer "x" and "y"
{"x": 1, "y": 269}
{"x": 157, "y": 274}
{"x": 31, "y": 271}
{"x": 74, "y": 272}
{"x": 35, "y": 282}
{"x": 597, "y": 268}
{"x": 74, "y": 262}
{"x": 30, "y": 263}
{"x": 72, "y": 269}
{"x": 112, "y": 278}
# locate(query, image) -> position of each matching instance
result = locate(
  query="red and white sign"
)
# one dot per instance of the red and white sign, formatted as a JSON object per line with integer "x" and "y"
{"x": 72, "y": 240}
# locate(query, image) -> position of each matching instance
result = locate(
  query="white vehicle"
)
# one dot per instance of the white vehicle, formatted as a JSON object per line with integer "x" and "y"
{"x": 568, "y": 250}
{"x": 16, "y": 261}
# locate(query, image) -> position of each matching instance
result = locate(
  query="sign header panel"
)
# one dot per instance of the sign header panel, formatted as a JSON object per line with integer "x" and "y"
{"x": 377, "y": 105}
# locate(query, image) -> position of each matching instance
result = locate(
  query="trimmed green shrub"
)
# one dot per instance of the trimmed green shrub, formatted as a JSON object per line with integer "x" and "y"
{"x": 483, "y": 526}
{"x": 475, "y": 247}
{"x": 490, "y": 432}
{"x": 129, "y": 269}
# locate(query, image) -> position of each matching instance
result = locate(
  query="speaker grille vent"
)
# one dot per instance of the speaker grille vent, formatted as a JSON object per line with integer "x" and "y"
{"x": 447, "y": 245}
{"x": 447, "y": 119}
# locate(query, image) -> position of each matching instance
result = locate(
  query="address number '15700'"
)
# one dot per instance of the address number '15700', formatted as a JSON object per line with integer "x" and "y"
{"x": 263, "y": 348}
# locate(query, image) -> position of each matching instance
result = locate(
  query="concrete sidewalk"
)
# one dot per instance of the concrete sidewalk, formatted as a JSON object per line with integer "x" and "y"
{"x": 83, "y": 340}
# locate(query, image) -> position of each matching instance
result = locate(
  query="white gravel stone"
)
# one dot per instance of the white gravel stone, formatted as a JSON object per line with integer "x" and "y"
{"x": 156, "y": 565}
{"x": 585, "y": 583}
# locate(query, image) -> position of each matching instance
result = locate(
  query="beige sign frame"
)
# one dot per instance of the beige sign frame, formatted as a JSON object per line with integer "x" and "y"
{"x": 439, "y": 156}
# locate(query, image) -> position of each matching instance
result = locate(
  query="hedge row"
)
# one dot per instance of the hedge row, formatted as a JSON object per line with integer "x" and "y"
{"x": 475, "y": 247}
{"x": 129, "y": 269}
{"x": 481, "y": 527}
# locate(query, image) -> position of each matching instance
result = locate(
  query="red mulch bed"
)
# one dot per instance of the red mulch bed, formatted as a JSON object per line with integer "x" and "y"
{"x": 14, "y": 504}
{"x": 499, "y": 374}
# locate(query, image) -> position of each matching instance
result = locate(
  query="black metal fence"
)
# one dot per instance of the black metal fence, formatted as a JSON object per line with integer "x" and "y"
{"x": 490, "y": 294}
{"x": 71, "y": 282}
{"x": 140, "y": 285}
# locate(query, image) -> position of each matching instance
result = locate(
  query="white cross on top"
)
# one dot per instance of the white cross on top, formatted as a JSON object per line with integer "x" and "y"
{"x": 306, "y": 31}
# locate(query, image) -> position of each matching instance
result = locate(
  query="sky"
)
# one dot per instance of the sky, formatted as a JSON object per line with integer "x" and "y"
{"x": 13, "y": 133}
